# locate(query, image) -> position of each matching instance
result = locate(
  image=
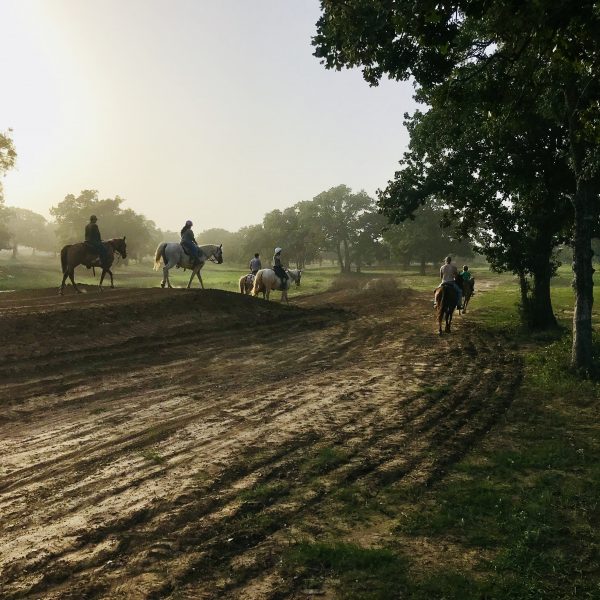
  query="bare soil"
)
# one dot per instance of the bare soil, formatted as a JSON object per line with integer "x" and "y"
{"x": 165, "y": 443}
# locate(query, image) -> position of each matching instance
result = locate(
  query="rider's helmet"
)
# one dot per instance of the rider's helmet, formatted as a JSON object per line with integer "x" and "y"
{"x": 188, "y": 223}
{"x": 448, "y": 259}
{"x": 277, "y": 250}
{"x": 93, "y": 218}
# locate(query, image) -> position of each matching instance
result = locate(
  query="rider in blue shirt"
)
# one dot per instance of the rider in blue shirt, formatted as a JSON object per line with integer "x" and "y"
{"x": 188, "y": 241}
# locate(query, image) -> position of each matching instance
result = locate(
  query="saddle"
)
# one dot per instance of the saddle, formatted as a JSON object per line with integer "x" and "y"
{"x": 93, "y": 258}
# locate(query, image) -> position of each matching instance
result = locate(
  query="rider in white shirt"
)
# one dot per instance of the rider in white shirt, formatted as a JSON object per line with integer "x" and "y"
{"x": 448, "y": 274}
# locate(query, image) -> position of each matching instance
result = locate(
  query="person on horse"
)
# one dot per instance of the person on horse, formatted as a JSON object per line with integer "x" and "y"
{"x": 468, "y": 278}
{"x": 278, "y": 268}
{"x": 449, "y": 274}
{"x": 188, "y": 241}
{"x": 94, "y": 240}
{"x": 255, "y": 264}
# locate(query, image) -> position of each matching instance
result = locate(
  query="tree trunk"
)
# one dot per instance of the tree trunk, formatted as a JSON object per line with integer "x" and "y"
{"x": 423, "y": 265}
{"x": 346, "y": 256}
{"x": 541, "y": 315}
{"x": 524, "y": 289}
{"x": 583, "y": 284}
{"x": 586, "y": 196}
{"x": 340, "y": 259}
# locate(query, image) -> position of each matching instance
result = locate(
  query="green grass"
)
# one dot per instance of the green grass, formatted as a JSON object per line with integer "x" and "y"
{"x": 323, "y": 460}
{"x": 358, "y": 573}
{"x": 32, "y": 272}
{"x": 153, "y": 455}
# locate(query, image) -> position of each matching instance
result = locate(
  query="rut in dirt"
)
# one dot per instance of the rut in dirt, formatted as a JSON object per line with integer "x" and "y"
{"x": 162, "y": 458}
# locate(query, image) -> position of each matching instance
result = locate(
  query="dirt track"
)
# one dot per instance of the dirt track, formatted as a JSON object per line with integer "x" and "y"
{"x": 138, "y": 428}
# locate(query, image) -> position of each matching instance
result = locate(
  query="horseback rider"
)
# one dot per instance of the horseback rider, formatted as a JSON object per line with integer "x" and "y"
{"x": 255, "y": 264}
{"x": 468, "y": 278}
{"x": 449, "y": 274}
{"x": 188, "y": 241}
{"x": 278, "y": 268}
{"x": 94, "y": 240}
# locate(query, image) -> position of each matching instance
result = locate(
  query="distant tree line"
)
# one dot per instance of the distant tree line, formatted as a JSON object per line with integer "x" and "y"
{"x": 338, "y": 224}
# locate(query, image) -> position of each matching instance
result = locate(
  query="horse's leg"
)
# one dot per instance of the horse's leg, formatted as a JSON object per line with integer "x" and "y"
{"x": 166, "y": 275}
{"x": 200, "y": 279}
{"x": 63, "y": 285}
{"x": 72, "y": 278}
{"x": 112, "y": 283}
{"x": 189, "y": 285}
{"x": 101, "y": 279}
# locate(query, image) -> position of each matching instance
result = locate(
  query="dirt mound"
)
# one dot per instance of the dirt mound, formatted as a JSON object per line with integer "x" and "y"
{"x": 169, "y": 444}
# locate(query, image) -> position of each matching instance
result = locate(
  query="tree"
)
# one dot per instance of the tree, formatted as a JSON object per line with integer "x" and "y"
{"x": 367, "y": 245}
{"x": 340, "y": 213}
{"x": 28, "y": 228}
{"x": 8, "y": 156}
{"x": 423, "y": 238}
{"x": 510, "y": 190}
{"x": 547, "y": 51}
{"x": 73, "y": 213}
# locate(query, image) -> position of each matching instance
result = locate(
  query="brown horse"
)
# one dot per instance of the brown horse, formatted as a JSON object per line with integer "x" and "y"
{"x": 74, "y": 255}
{"x": 445, "y": 302}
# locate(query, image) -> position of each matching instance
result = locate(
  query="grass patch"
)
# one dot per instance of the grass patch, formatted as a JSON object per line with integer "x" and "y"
{"x": 324, "y": 460}
{"x": 264, "y": 494}
{"x": 526, "y": 499}
{"x": 357, "y": 573}
{"x": 153, "y": 455}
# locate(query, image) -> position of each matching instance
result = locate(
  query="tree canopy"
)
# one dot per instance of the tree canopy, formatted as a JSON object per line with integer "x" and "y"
{"x": 8, "y": 156}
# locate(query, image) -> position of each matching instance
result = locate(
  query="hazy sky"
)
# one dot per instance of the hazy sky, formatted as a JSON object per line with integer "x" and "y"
{"x": 213, "y": 110}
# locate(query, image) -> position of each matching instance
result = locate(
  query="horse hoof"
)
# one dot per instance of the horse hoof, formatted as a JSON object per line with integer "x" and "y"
{"x": 162, "y": 285}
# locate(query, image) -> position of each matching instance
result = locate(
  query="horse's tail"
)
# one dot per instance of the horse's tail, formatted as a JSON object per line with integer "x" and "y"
{"x": 243, "y": 284}
{"x": 440, "y": 299}
{"x": 63, "y": 258}
{"x": 258, "y": 283}
{"x": 160, "y": 254}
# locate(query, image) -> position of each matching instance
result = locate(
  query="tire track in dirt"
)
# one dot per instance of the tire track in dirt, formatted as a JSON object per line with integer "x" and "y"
{"x": 135, "y": 488}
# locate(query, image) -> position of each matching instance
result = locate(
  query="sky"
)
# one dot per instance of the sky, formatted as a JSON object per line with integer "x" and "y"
{"x": 210, "y": 110}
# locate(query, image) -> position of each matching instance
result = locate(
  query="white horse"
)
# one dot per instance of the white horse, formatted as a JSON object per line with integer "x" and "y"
{"x": 172, "y": 254}
{"x": 266, "y": 280}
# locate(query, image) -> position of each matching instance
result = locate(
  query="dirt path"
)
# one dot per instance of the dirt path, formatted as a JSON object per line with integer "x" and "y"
{"x": 151, "y": 449}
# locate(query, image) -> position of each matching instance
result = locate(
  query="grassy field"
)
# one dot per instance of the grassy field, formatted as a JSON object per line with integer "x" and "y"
{"x": 29, "y": 272}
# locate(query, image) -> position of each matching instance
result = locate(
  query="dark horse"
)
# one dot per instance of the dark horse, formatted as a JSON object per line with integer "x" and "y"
{"x": 445, "y": 301}
{"x": 74, "y": 255}
{"x": 467, "y": 293}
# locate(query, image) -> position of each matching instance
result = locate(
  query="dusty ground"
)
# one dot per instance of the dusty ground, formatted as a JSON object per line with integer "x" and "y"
{"x": 163, "y": 443}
